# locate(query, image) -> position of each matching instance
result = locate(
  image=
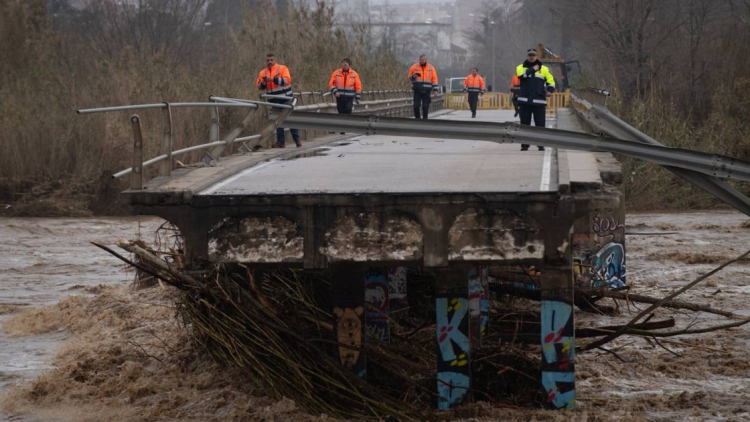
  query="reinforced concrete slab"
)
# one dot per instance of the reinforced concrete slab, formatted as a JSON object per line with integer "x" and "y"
{"x": 395, "y": 165}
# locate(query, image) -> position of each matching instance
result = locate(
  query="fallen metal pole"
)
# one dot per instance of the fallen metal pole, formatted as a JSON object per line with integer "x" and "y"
{"x": 711, "y": 164}
{"x": 614, "y": 127}
{"x": 159, "y": 158}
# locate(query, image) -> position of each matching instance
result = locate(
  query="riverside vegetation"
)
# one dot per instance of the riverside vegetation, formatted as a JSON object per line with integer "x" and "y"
{"x": 659, "y": 58}
{"x": 54, "y": 162}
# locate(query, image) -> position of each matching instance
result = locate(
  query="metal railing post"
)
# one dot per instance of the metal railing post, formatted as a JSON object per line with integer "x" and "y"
{"x": 136, "y": 177}
{"x": 214, "y": 132}
{"x": 167, "y": 141}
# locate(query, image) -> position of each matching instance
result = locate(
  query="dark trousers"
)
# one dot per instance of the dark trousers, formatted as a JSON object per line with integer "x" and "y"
{"x": 345, "y": 105}
{"x": 514, "y": 100}
{"x": 526, "y": 111}
{"x": 280, "y": 137}
{"x": 422, "y": 101}
{"x": 473, "y": 100}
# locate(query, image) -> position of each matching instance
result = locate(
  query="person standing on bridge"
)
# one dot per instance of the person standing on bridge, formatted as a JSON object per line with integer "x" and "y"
{"x": 275, "y": 79}
{"x": 474, "y": 85}
{"x": 515, "y": 87}
{"x": 423, "y": 79}
{"x": 537, "y": 84}
{"x": 346, "y": 87}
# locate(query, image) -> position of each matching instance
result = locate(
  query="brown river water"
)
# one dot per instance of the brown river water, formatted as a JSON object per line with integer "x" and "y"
{"x": 696, "y": 377}
{"x": 45, "y": 260}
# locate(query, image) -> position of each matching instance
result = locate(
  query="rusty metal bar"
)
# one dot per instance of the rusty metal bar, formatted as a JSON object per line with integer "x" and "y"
{"x": 271, "y": 128}
{"x": 159, "y": 158}
{"x": 136, "y": 178}
{"x": 229, "y": 138}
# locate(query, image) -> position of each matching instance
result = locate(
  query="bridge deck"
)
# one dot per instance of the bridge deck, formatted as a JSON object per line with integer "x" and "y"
{"x": 395, "y": 164}
{"x": 388, "y": 165}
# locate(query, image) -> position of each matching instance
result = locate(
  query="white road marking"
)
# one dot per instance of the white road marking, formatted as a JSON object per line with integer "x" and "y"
{"x": 229, "y": 180}
{"x": 546, "y": 170}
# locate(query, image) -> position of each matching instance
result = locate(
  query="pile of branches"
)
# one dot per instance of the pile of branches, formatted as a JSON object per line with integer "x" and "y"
{"x": 277, "y": 328}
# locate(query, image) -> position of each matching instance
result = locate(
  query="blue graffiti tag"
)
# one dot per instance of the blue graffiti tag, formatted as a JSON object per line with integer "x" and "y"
{"x": 558, "y": 399}
{"x": 452, "y": 388}
{"x": 556, "y": 316}
{"x": 448, "y": 332}
{"x": 609, "y": 266}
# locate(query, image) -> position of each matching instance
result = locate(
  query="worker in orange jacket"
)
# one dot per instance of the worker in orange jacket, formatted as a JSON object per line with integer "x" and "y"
{"x": 275, "y": 79}
{"x": 423, "y": 79}
{"x": 345, "y": 86}
{"x": 474, "y": 85}
{"x": 515, "y": 88}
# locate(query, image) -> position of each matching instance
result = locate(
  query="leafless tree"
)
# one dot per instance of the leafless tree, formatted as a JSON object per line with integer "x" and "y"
{"x": 172, "y": 28}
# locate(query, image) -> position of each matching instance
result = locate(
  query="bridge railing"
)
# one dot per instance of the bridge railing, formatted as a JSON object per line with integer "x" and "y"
{"x": 590, "y": 105}
{"x": 383, "y": 102}
{"x": 500, "y": 101}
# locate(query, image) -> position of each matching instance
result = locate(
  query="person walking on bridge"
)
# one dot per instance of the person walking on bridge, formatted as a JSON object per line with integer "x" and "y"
{"x": 474, "y": 85}
{"x": 537, "y": 84}
{"x": 423, "y": 79}
{"x": 275, "y": 79}
{"x": 346, "y": 87}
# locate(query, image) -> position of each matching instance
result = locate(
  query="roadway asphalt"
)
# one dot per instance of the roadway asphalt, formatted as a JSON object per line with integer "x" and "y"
{"x": 396, "y": 165}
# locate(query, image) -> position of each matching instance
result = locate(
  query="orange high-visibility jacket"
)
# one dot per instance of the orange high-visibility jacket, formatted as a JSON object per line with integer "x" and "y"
{"x": 427, "y": 79}
{"x": 347, "y": 83}
{"x": 515, "y": 84}
{"x": 474, "y": 84}
{"x": 282, "y": 80}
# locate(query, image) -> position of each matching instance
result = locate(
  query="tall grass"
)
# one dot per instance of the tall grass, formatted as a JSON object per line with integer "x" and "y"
{"x": 725, "y": 130}
{"x": 53, "y": 161}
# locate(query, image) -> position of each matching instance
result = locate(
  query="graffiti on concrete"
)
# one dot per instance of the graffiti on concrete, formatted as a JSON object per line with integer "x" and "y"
{"x": 397, "y": 284}
{"x": 609, "y": 266}
{"x": 349, "y": 333}
{"x": 453, "y": 369}
{"x": 607, "y": 227}
{"x": 599, "y": 252}
{"x": 558, "y": 353}
{"x": 377, "y": 303}
{"x": 478, "y": 303}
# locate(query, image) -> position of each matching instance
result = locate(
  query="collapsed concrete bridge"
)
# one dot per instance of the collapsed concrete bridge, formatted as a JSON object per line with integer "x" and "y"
{"x": 367, "y": 206}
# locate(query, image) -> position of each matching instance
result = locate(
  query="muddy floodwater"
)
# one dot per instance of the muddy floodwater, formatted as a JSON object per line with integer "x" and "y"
{"x": 48, "y": 263}
{"x": 45, "y": 260}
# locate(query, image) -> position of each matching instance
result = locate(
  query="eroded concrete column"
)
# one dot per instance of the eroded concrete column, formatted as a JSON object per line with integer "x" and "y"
{"x": 454, "y": 346}
{"x": 348, "y": 303}
{"x": 558, "y": 338}
{"x": 377, "y": 303}
{"x": 479, "y": 309}
{"x": 398, "y": 293}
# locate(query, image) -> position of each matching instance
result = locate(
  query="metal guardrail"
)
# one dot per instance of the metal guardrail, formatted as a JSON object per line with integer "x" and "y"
{"x": 591, "y": 95}
{"x": 711, "y": 164}
{"x": 600, "y": 120}
{"x": 390, "y": 102}
{"x": 500, "y": 101}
